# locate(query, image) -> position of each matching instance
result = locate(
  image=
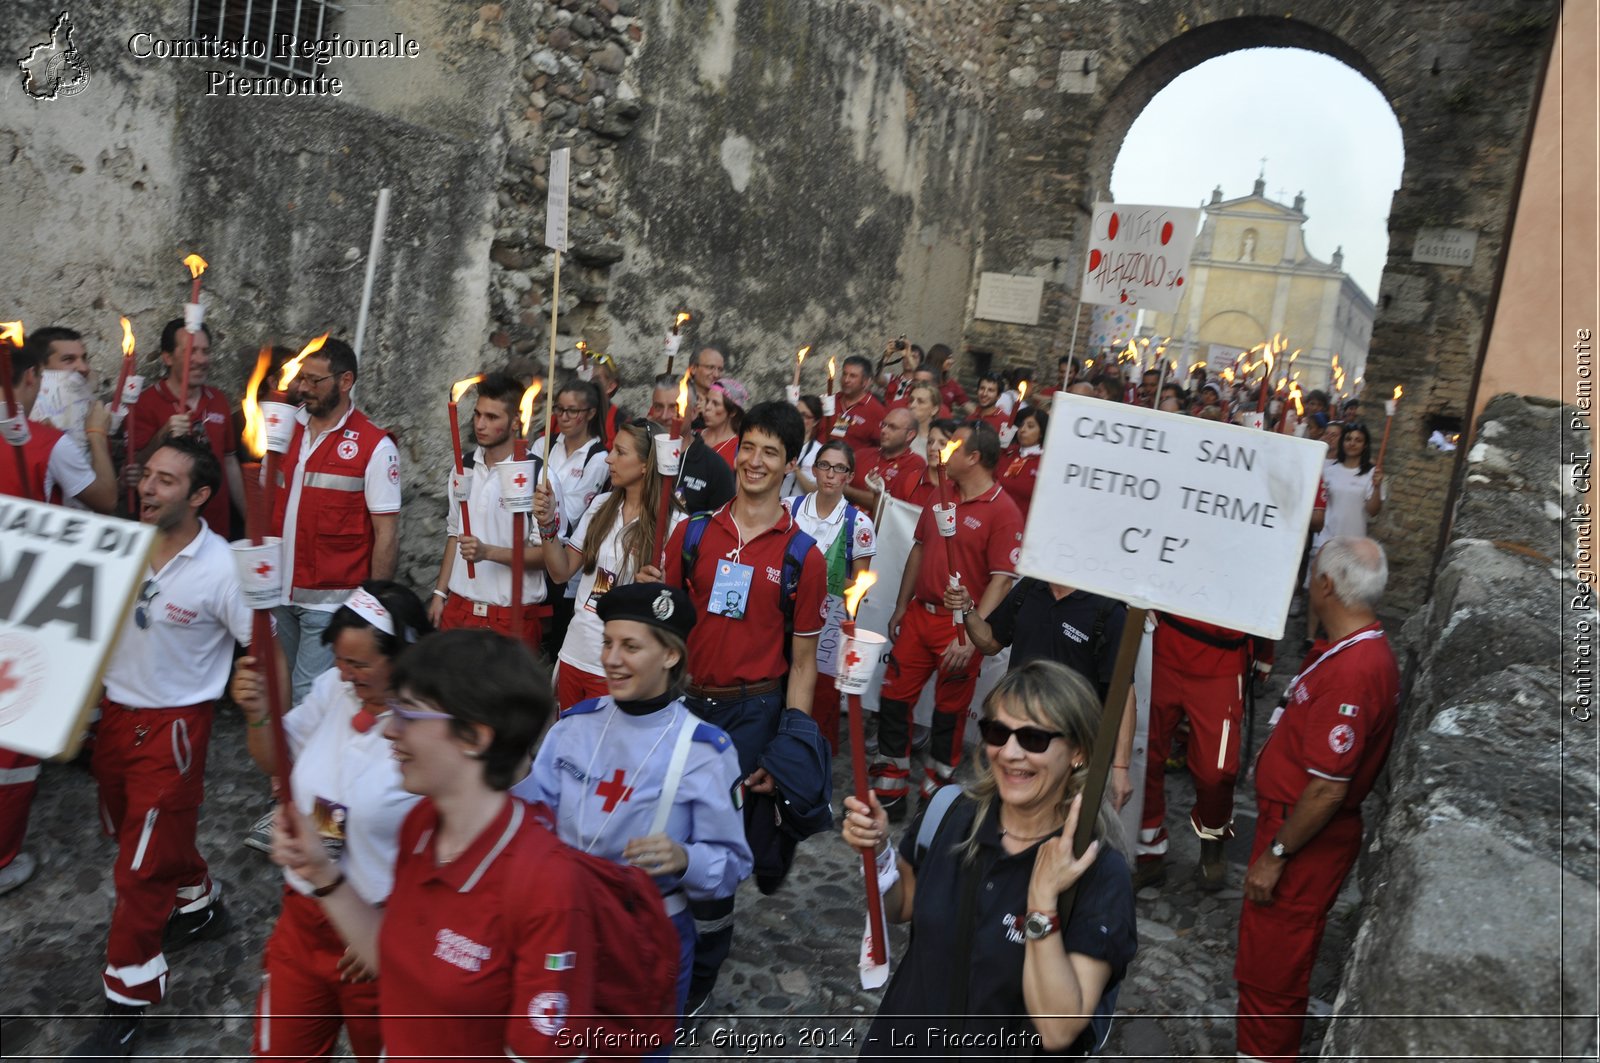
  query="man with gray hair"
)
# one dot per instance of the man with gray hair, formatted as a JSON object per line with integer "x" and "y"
{"x": 1329, "y": 741}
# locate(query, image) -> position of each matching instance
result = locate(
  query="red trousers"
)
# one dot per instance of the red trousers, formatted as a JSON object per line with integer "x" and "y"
{"x": 19, "y": 781}
{"x": 916, "y": 656}
{"x": 303, "y": 999}
{"x": 573, "y": 685}
{"x": 1215, "y": 708}
{"x": 462, "y": 612}
{"x": 825, "y": 699}
{"x": 1278, "y": 943}
{"x": 151, "y": 765}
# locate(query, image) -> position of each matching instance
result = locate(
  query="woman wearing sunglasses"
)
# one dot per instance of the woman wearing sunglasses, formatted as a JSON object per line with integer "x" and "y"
{"x": 848, "y": 540}
{"x": 611, "y": 543}
{"x": 346, "y": 780}
{"x": 484, "y": 946}
{"x": 656, "y": 783}
{"x": 988, "y": 945}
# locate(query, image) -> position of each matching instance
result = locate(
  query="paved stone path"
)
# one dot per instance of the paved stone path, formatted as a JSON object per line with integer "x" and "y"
{"x": 790, "y": 989}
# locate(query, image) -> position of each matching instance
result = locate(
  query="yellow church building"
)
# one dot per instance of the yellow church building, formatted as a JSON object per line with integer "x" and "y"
{"x": 1251, "y": 278}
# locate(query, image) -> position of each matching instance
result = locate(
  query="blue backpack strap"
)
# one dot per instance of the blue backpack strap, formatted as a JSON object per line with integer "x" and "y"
{"x": 849, "y": 530}
{"x": 694, "y": 529}
{"x": 794, "y": 559}
{"x": 933, "y": 815}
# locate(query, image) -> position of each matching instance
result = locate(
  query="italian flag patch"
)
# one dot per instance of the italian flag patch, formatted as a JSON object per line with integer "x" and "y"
{"x": 560, "y": 961}
{"x": 1348, "y": 710}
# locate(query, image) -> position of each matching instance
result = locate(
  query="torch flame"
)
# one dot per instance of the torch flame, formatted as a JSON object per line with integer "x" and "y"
{"x": 292, "y": 369}
{"x": 800, "y": 355}
{"x": 525, "y": 408}
{"x": 830, "y": 367}
{"x": 858, "y": 590}
{"x": 459, "y": 388}
{"x": 1193, "y": 366}
{"x": 1397, "y": 392}
{"x": 1299, "y": 407}
{"x": 127, "y": 337}
{"x": 949, "y": 451}
{"x": 1022, "y": 391}
{"x": 1267, "y": 357}
{"x": 683, "y": 395}
{"x": 681, "y": 320}
{"x": 12, "y": 331}
{"x": 255, "y": 427}
{"x": 196, "y": 264}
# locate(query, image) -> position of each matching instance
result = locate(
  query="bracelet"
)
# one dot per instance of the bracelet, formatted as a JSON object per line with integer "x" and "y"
{"x": 96, "y": 431}
{"x": 324, "y": 891}
{"x": 441, "y": 595}
{"x": 1124, "y": 767}
{"x": 262, "y": 722}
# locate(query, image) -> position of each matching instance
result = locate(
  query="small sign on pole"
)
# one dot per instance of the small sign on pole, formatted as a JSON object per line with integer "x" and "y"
{"x": 70, "y": 576}
{"x": 1139, "y": 255}
{"x": 555, "y": 219}
{"x": 1194, "y": 517}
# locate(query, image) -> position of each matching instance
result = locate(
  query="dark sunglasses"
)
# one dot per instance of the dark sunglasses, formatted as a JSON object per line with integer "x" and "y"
{"x": 141, "y": 606}
{"x": 1031, "y": 739}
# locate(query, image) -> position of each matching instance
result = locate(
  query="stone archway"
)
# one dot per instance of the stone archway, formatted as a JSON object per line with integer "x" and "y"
{"x": 1463, "y": 91}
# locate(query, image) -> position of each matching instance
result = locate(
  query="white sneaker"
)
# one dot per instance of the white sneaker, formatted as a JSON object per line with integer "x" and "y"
{"x": 260, "y": 836}
{"x": 17, "y": 872}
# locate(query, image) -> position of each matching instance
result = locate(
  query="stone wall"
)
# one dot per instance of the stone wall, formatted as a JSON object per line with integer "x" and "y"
{"x": 1480, "y": 874}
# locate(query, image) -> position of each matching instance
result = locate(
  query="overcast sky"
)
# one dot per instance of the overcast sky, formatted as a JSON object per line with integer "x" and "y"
{"x": 1323, "y": 128}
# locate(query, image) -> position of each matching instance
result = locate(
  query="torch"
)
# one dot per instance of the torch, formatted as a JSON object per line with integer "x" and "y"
{"x": 1266, "y": 382}
{"x": 519, "y": 515}
{"x": 799, "y": 360}
{"x": 669, "y": 451}
{"x": 193, "y": 317}
{"x": 279, "y": 417}
{"x": 857, "y": 660}
{"x": 15, "y": 420}
{"x": 946, "y": 524}
{"x": 832, "y": 382}
{"x": 674, "y": 339}
{"x": 458, "y": 389}
{"x": 1389, "y": 406}
{"x": 123, "y": 399}
{"x": 1299, "y": 408}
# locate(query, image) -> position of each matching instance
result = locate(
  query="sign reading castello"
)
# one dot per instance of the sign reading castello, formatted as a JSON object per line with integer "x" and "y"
{"x": 1445, "y": 247}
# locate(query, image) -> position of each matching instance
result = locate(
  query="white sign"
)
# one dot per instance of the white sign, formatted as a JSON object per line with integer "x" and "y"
{"x": 67, "y": 578}
{"x": 1139, "y": 255}
{"x": 1445, "y": 247}
{"x": 555, "y": 204}
{"x": 1197, "y": 518}
{"x": 1010, "y": 298}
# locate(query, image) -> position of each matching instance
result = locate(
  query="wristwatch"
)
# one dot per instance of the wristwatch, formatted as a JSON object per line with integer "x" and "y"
{"x": 1277, "y": 849}
{"x": 1040, "y": 925}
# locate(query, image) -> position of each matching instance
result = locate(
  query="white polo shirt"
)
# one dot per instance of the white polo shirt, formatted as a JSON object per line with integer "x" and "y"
{"x": 68, "y": 469}
{"x": 196, "y": 615}
{"x": 490, "y": 524}
{"x": 381, "y": 484}
{"x": 339, "y": 768}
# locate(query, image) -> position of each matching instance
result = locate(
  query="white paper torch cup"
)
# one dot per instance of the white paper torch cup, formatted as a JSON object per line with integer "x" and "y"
{"x": 945, "y": 516}
{"x": 260, "y": 571}
{"x": 194, "y": 316}
{"x": 1007, "y": 434}
{"x": 279, "y": 420}
{"x": 858, "y": 659}
{"x": 791, "y": 393}
{"x": 15, "y": 430}
{"x": 516, "y": 486}
{"x": 460, "y": 487}
{"x": 1252, "y": 419}
{"x": 669, "y": 454}
{"x": 829, "y": 405}
{"x": 1388, "y": 407}
{"x": 132, "y": 388}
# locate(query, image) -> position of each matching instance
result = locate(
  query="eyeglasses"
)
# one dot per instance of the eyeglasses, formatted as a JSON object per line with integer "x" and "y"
{"x": 570, "y": 411}
{"x": 828, "y": 466}
{"x": 314, "y": 381}
{"x": 401, "y": 711}
{"x": 1031, "y": 739}
{"x": 141, "y": 606}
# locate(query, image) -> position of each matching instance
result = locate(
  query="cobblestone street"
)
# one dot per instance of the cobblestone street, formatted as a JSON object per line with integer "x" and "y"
{"x": 789, "y": 991}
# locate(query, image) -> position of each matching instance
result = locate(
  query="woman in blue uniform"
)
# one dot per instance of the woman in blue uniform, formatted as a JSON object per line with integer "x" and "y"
{"x": 636, "y": 777}
{"x": 988, "y": 946}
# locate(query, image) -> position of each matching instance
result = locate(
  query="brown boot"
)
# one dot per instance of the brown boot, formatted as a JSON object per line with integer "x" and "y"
{"x": 1212, "y": 871}
{"x": 1149, "y": 873}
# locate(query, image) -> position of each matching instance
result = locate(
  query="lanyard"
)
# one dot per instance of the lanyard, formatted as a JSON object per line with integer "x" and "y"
{"x": 1339, "y": 647}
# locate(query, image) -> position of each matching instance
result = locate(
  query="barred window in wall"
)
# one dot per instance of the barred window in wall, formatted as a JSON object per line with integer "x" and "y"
{"x": 264, "y": 23}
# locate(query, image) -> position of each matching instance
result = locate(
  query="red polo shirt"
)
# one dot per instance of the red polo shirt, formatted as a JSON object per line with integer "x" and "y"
{"x": 995, "y": 418}
{"x": 157, "y": 405}
{"x": 1018, "y": 475}
{"x": 861, "y": 421}
{"x": 988, "y": 540}
{"x": 900, "y": 474}
{"x": 1338, "y": 721}
{"x": 487, "y": 955}
{"x": 922, "y": 492}
{"x": 953, "y": 393}
{"x": 725, "y": 652}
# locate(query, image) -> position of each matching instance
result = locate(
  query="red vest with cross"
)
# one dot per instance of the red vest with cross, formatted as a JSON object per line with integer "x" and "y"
{"x": 36, "y": 456}
{"x": 333, "y": 530}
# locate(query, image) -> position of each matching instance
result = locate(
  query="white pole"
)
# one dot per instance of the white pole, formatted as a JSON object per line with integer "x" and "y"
{"x": 380, "y": 220}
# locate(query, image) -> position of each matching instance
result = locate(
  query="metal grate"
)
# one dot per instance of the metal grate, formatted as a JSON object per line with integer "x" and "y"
{"x": 262, "y": 22}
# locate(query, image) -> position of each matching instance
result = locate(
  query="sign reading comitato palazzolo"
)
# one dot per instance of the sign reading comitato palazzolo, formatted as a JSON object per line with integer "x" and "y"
{"x": 1192, "y": 517}
{"x": 67, "y": 578}
{"x": 1138, "y": 255}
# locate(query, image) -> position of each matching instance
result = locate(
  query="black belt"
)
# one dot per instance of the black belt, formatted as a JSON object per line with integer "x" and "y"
{"x": 738, "y": 690}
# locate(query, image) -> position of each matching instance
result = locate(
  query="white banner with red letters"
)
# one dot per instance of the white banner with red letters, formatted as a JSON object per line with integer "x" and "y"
{"x": 67, "y": 578}
{"x": 1139, "y": 255}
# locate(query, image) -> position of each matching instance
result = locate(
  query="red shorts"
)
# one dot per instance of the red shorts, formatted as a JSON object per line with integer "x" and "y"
{"x": 462, "y": 612}
{"x": 573, "y": 685}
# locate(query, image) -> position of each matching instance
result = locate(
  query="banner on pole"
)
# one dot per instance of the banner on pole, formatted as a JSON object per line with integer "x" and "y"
{"x": 1194, "y": 517}
{"x": 68, "y": 577}
{"x": 555, "y": 210}
{"x": 1139, "y": 255}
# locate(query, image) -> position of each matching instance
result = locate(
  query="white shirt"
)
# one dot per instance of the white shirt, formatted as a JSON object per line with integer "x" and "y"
{"x": 492, "y": 525}
{"x": 806, "y": 464}
{"x": 196, "y": 615}
{"x": 354, "y": 771}
{"x": 1348, "y": 492}
{"x": 381, "y": 487}
{"x": 68, "y": 469}
{"x": 575, "y": 480}
{"x": 581, "y": 649}
{"x": 825, "y": 528}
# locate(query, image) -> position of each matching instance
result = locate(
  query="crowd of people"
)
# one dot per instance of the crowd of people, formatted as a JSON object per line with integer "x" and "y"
{"x": 470, "y": 792}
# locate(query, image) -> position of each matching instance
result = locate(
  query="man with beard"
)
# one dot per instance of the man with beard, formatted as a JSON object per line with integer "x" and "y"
{"x": 170, "y": 663}
{"x": 338, "y": 509}
{"x": 704, "y": 480}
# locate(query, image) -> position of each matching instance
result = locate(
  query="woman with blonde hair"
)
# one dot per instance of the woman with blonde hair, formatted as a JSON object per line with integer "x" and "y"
{"x": 610, "y": 544}
{"x": 1014, "y": 962}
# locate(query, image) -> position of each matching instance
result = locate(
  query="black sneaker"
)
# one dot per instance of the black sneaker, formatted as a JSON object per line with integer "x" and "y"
{"x": 696, "y": 1005}
{"x": 187, "y": 928}
{"x": 115, "y": 1035}
{"x": 260, "y": 836}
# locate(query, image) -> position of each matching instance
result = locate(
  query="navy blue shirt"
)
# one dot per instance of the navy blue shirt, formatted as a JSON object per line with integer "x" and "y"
{"x": 914, "y": 1021}
{"x": 1080, "y": 631}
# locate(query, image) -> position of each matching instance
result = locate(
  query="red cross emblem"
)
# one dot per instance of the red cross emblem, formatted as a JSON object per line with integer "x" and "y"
{"x": 7, "y": 684}
{"x": 273, "y": 419}
{"x": 263, "y": 570}
{"x": 613, "y": 791}
{"x": 519, "y": 479}
{"x": 852, "y": 658}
